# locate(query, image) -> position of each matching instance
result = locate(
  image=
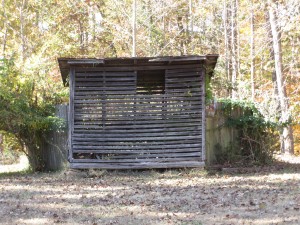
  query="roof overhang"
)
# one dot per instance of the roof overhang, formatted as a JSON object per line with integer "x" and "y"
{"x": 65, "y": 64}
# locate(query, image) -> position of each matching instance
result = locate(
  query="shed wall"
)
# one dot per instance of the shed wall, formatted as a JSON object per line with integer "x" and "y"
{"x": 115, "y": 125}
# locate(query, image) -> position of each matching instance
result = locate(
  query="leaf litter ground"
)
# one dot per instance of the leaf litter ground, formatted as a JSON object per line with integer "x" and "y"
{"x": 265, "y": 195}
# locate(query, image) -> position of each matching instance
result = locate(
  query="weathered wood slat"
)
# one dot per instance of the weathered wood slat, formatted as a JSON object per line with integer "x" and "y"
{"x": 183, "y": 75}
{"x": 141, "y": 155}
{"x": 109, "y": 92}
{"x": 107, "y": 84}
{"x": 97, "y": 88}
{"x": 134, "y": 122}
{"x": 116, "y": 115}
{"x": 131, "y": 110}
{"x": 87, "y": 137}
{"x": 131, "y": 120}
{"x": 139, "y": 113}
{"x": 142, "y": 126}
{"x": 133, "y": 154}
{"x": 86, "y": 120}
{"x": 124, "y": 139}
{"x": 184, "y": 85}
{"x": 185, "y": 91}
{"x": 142, "y": 109}
{"x": 183, "y": 70}
{"x": 195, "y": 80}
{"x": 89, "y": 94}
{"x": 138, "y": 100}
{"x": 107, "y": 74}
{"x": 144, "y": 154}
{"x": 115, "y": 111}
{"x": 148, "y": 165}
{"x": 139, "y": 160}
{"x": 137, "y": 149}
{"x": 100, "y": 83}
{"x": 148, "y": 131}
{"x": 160, "y": 144}
{"x": 165, "y": 96}
{"x": 141, "y": 106}
{"x": 104, "y": 134}
{"x": 99, "y": 80}
{"x": 133, "y": 68}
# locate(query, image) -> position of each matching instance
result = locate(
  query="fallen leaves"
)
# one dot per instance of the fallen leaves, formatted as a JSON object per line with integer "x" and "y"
{"x": 150, "y": 199}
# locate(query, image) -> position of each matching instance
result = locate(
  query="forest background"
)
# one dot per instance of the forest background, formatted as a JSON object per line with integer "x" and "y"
{"x": 258, "y": 43}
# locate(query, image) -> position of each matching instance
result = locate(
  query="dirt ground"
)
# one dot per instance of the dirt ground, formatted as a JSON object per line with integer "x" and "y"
{"x": 268, "y": 195}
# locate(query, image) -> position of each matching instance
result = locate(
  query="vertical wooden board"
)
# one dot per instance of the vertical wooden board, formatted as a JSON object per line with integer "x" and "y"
{"x": 71, "y": 113}
{"x": 203, "y": 72}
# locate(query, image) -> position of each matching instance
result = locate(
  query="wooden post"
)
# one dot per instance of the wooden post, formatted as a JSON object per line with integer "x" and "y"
{"x": 71, "y": 112}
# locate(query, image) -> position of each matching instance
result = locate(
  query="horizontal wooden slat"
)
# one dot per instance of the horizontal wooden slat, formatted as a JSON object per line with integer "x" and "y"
{"x": 141, "y": 165}
{"x": 195, "y": 80}
{"x": 142, "y": 126}
{"x": 137, "y": 149}
{"x": 183, "y": 70}
{"x": 166, "y": 96}
{"x": 87, "y": 119}
{"x": 145, "y": 123}
{"x": 191, "y": 74}
{"x": 137, "y": 106}
{"x": 100, "y": 80}
{"x": 140, "y": 113}
{"x": 119, "y": 113}
{"x": 137, "y": 130}
{"x": 135, "y": 68}
{"x": 125, "y": 88}
{"x": 134, "y": 122}
{"x": 107, "y": 84}
{"x": 143, "y": 160}
{"x": 184, "y": 85}
{"x": 104, "y": 134}
{"x": 146, "y": 154}
{"x": 124, "y": 139}
{"x": 160, "y": 144}
{"x": 138, "y": 100}
{"x": 102, "y": 73}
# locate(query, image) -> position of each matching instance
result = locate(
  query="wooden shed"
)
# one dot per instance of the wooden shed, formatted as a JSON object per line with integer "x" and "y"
{"x": 137, "y": 112}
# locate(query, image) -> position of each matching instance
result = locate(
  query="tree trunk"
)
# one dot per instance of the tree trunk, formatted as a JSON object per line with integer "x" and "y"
{"x": 252, "y": 53}
{"x": 227, "y": 43}
{"x": 22, "y": 28}
{"x": 134, "y": 28}
{"x": 234, "y": 54}
{"x": 5, "y": 29}
{"x": 287, "y": 131}
{"x": 191, "y": 28}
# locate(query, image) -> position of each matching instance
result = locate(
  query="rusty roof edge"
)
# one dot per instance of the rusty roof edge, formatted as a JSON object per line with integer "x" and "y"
{"x": 210, "y": 63}
{"x": 85, "y": 61}
{"x": 178, "y": 58}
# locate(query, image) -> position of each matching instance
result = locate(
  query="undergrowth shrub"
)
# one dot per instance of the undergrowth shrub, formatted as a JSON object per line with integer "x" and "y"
{"x": 257, "y": 137}
{"x": 24, "y": 112}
